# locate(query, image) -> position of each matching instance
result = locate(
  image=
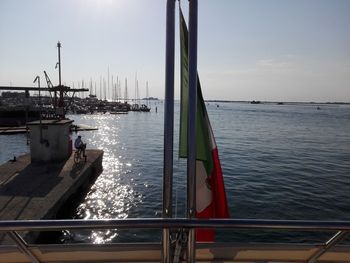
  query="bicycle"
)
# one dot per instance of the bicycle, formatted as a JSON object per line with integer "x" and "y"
{"x": 77, "y": 156}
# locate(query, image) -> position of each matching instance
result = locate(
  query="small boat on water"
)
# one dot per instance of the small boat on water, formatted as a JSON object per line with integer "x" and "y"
{"x": 142, "y": 107}
{"x": 255, "y": 102}
{"x": 145, "y": 108}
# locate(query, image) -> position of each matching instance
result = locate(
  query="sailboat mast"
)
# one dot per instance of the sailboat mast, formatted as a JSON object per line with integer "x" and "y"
{"x": 119, "y": 90}
{"x": 104, "y": 88}
{"x": 100, "y": 87}
{"x": 138, "y": 92}
{"x": 108, "y": 84}
{"x": 117, "y": 95}
{"x": 147, "y": 95}
{"x": 82, "y": 86}
{"x": 126, "y": 91}
{"x": 112, "y": 93}
{"x": 135, "y": 88}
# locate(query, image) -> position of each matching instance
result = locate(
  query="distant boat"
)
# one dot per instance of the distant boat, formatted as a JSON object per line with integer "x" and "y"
{"x": 145, "y": 108}
{"x": 135, "y": 107}
{"x": 255, "y": 102}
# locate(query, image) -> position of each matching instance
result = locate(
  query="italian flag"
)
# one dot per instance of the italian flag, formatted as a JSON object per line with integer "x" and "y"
{"x": 210, "y": 189}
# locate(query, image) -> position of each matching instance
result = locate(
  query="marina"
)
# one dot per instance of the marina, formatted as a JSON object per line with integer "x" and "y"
{"x": 100, "y": 177}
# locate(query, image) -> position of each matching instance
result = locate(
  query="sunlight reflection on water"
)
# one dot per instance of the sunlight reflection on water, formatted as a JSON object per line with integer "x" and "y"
{"x": 279, "y": 162}
{"x": 113, "y": 194}
{"x": 289, "y": 162}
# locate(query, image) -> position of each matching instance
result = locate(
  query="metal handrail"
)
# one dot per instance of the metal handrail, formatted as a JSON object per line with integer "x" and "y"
{"x": 11, "y": 226}
{"x": 174, "y": 223}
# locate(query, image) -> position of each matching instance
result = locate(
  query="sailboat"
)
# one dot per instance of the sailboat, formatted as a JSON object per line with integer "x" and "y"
{"x": 136, "y": 105}
{"x": 178, "y": 234}
{"x": 145, "y": 107}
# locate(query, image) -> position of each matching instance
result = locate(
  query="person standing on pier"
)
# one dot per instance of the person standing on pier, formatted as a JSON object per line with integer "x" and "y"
{"x": 79, "y": 145}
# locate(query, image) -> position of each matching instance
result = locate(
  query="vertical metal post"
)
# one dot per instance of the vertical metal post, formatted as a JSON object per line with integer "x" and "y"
{"x": 40, "y": 119}
{"x": 168, "y": 126}
{"x": 59, "y": 62}
{"x": 60, "y": 101}
{"x": 191, "y": 135}
{"x": 27, "y": 96}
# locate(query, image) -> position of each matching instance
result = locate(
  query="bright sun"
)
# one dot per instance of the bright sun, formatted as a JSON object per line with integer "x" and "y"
{"x": 103, "y": 4}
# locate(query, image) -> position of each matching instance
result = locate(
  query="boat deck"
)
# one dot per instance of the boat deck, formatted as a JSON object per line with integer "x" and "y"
{"x": 138, "y": 252}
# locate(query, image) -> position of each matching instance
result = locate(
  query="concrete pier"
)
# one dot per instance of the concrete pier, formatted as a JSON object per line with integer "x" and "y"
{"x": 23, "y": 129}
{"x": 39, "y": 190}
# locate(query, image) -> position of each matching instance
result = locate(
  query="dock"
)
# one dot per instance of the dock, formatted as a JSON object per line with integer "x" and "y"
{"x": 13, "y": 130}
{"x": 31, "y": 191}
{"x": 23, "y": 129}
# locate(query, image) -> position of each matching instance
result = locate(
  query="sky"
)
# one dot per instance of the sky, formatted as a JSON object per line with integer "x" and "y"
{"x": 270, "y": 50}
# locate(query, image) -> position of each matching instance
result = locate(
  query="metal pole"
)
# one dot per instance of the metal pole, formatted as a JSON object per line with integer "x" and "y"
{"x": 191, "y": 133}
{"x": 168, "y": 126}
{"x": 27, "y": 95}
{"x": 40, "y": 119}
{"x": 59, "y": 62}
{"x": 60, "y": 101}
{"x": 174, "y": 223}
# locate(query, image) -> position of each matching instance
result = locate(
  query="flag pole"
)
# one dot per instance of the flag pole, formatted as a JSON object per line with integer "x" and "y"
{"x": 168, "y": 126}
{"x": 191, "y": 135}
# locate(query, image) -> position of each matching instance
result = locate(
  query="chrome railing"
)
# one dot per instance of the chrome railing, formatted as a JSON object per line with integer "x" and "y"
{"x": 342, "y": 227}
{"x": 173, "y": 223}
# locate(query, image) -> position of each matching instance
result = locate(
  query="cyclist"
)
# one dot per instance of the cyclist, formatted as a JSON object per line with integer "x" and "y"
{"x": 79, "y": 145}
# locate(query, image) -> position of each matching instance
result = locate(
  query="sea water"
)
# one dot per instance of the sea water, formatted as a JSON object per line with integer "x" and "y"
{"x": 288, "y": 161}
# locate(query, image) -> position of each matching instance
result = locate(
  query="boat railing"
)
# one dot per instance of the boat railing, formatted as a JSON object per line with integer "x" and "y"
{"x": 342, "y": 228}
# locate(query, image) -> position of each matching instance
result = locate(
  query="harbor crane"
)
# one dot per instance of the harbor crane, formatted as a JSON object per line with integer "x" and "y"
{"x": 58, "y": 103}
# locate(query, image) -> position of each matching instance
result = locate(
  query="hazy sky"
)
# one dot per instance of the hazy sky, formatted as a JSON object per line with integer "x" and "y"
{"x": 279, "y": 50}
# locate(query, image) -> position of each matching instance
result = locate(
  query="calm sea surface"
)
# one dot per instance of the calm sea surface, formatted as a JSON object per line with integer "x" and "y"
{"x": 279, "y": 162}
